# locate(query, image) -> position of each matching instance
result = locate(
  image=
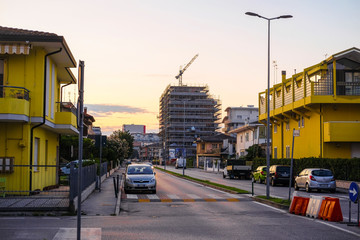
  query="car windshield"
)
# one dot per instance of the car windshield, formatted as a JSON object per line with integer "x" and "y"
{"x": 139, "y": 170}
{"x": 322, "y": 173}
{"x": 283, "y": 169}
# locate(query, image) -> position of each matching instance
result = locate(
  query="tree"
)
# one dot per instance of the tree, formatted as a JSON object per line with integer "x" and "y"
{"x": 69, "y": 146}
{"x": 255, "y": 151}
{"x": 119, "y": 145}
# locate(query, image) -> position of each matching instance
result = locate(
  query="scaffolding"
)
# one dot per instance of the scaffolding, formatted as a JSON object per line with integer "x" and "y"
{"x": 185, "y": 113}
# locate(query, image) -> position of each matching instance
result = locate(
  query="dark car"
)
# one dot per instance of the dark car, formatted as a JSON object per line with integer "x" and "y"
{"x": 279, "y": 174}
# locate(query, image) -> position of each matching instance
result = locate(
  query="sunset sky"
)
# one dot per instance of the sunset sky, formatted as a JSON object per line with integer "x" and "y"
{"x": 133, "y": 49}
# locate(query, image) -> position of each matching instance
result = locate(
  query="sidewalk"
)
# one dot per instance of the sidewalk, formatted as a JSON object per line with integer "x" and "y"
{"x": 102, "y": 203}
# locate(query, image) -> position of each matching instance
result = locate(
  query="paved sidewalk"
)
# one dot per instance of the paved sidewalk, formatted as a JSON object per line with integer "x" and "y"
{"x": 102, "y": 203}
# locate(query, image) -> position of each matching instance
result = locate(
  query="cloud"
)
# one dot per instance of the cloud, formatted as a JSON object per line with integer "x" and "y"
{"x": 104, "y": 110}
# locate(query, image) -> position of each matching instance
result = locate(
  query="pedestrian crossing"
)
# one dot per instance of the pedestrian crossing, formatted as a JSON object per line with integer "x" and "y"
{"x": 181, "y": 198}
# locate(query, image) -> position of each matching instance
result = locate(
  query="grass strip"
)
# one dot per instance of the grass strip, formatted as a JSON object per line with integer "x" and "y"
{"x": 276, "y": 200}
{"x": 206, "y": 182}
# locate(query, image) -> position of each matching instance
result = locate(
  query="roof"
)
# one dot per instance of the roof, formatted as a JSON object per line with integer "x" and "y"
{"x": 216, "y": 138}
{"x": 49, "y": 41}
{"x": 250, "y": 126}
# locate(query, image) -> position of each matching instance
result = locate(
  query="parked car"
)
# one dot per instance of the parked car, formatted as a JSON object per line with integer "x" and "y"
{"x": 259, "y": 174}
{"x": 66, "y": 169}
{"x": 279, "y": 174}
{"x": 139, "y": 177}
{"x": 315, "y": 178}
{"x": 180, "y": 163}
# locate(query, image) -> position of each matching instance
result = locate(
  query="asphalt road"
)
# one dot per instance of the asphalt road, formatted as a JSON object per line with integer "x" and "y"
{"x": 277, "y": 191}
{"x": 180, "y": 210}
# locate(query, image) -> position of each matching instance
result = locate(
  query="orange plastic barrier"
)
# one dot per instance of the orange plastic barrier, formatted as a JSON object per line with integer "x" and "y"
{"x": 330, "y": 210}
{"x": 299, "y": 205}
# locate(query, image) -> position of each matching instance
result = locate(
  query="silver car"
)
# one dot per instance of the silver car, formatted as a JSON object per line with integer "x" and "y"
{"x": 315, "y": 178}
{"x": 140, "y": 177}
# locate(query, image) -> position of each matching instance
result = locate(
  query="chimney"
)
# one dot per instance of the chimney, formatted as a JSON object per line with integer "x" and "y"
{"x": 283, "y": 75}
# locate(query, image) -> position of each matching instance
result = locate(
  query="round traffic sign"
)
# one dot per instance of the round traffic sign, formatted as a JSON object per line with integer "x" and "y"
{"x": 354, "y": 191}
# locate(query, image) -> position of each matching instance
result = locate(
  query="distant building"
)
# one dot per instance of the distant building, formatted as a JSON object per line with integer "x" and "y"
{"x": 248, "y": 135}
{"x": 186, "y": 112}
{"x": 239, "y": 116}
{"x": 132, "y": 128}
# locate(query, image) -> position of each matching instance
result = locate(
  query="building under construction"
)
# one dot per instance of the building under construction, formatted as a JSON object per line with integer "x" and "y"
{"x": 186, "y": 112}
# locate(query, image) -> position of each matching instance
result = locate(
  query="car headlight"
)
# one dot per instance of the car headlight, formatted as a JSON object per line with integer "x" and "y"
{"x": 152, "y": 180}
{"x": 128, "y": 180}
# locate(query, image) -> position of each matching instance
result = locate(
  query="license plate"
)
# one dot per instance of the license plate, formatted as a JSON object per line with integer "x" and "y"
{"x": 323, "y": 185}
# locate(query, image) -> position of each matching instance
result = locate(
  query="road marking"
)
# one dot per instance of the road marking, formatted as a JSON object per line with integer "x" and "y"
{"x": 173, "y": 196}
{"x": 279, "y": 210}
{"x": 193, "y": 196}
{"x": 71, "y": 233}
{"x": 233, "y": 200}
{"x": 189, "y": 200}
{"x": 144, "y": 200}
{"x": 153, "y": 196}
{"x": 131, "y": 196}
{"x": 210, "y": 200}
{"x": 234, "y": 195}
{"x": 339, "y": 228}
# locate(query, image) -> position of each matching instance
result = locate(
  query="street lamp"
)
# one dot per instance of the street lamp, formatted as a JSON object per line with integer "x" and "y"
{"x": 268, "y": 100}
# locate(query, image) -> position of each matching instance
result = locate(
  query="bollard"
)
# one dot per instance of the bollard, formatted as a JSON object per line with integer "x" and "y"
{"x": 117, "y": 184}
{"x": 252, "y": 186}
{"x": 115, "y": 187}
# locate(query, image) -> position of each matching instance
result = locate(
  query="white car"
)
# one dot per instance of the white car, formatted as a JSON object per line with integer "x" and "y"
{"x": 140, "y": 177}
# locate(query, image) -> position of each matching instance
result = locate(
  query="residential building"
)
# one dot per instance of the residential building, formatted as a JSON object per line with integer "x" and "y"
{"x": 323, "y": 103}
{"x": 33, "y": 67}
{"x": 186, "y": 112}
{"x": 248, "y": 135}
{"x": 239, "y": 116}
{"x": 132, "y": 128}
{"x": 213, "y": 148}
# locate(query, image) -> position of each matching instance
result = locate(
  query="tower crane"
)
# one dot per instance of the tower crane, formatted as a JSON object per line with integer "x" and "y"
{"x": 179, "y": 76}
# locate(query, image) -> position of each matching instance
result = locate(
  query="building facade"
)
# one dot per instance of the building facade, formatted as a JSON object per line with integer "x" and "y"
{"x": 186, "y": 112}
{"x": 132, "y": 128}
{"x": 239, "y": 116}
{"x": 33, "y": 66}
{"x": 248, "y": 135}
{"x": 323, "y": 103}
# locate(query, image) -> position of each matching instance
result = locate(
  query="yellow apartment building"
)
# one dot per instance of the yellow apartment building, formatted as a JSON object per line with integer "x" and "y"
{"x": 323, "y": 102}
{"x": 33, "y": 68}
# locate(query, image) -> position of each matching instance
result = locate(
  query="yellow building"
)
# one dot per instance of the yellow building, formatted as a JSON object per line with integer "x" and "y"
{"x": 323, "y": 102}
{"x": 33, "y": 66}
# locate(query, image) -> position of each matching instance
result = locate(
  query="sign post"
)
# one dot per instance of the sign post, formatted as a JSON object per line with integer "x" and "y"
{"x": 354, "y": 197}
{"x": 296, "y": 133}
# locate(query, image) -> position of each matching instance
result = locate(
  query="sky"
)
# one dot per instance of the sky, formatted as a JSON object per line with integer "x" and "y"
{"x": 133, "y": 49}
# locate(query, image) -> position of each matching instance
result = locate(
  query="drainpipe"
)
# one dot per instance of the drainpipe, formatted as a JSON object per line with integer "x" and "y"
{"x": 44, "y": 118}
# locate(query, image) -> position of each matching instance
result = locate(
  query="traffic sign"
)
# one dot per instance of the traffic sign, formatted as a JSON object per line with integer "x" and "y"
{"x": 354, "y": 192}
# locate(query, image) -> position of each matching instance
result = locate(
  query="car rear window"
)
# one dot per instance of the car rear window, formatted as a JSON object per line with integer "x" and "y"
{"x": 322, "y": 173}
{"x": 283, "y": 169}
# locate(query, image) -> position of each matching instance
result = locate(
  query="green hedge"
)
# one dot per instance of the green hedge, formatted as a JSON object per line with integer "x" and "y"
{"x": 343, "y": 169}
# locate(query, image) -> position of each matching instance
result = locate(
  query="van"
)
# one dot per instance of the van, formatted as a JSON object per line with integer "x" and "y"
{"x": 180, "y": 163}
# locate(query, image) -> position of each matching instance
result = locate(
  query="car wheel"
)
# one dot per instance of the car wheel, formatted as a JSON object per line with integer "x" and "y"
{"x": 126, "y": 191}
{"x": 272, "y": 182}
{"x": 224, "y": 176}
{"x": 231, "y": 176}
{"x": 154, "y": 191}
{"x": 307, "y": 188}
{"x": 260, "y": 181}
{"x": 296, "y": 187}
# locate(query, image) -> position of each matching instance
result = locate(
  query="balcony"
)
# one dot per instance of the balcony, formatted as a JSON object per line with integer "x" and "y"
{"x": 66, "y": 120}
{"x": 14, "y": 104}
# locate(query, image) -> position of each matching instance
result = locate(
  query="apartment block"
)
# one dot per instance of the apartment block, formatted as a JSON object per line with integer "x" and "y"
{"x": 187, "y": 112}
{"x": 239, "y": 116}
{"x": 323, "y": 103}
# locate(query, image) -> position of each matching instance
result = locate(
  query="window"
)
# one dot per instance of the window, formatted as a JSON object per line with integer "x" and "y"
{"x": 275, "y": 128}
{"x": 214, "y": 146}
{"x": 36, "y": 153}
{"x": 246, "y": 137}
{"x": 288, "y": 151}
{"x": 275, "y": 152}
{"x": 241, "y": 138}
{"x": 1, "y": 77}
{"x": 239, "y": 117}
{"x": 287, "y": 126}
{"x": 299, "y": 121}
{"x": 203, "y": 146}
{"x": 302, "y": 122}
{"x": 255, "y": 133}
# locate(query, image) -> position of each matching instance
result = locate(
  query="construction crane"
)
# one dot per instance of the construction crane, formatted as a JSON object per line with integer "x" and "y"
{"x": 183, "y": 70}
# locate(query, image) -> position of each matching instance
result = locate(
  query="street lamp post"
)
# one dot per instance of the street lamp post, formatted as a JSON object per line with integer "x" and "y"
{"x": 268, "y": 100}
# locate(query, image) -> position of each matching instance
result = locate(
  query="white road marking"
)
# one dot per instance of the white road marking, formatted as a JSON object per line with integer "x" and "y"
{"x": 152, "y": 196}
{"x": 131, "y": 196}
{"x": 71, "y": 233}
{"x": 173, "y": 196}
{"x": 213, "y": 196}
{"x": 279, "y": 210}
{"x": 339, "y": 228}
{"x": 234, "y": 195}
{"x": 193, "y": 196}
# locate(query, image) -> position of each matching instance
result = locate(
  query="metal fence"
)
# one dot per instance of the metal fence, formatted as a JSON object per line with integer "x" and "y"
{"x": 88, "y": 177}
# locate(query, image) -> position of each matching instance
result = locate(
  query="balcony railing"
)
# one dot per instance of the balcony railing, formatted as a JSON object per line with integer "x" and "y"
{"x": 14, "y": 92}
{"x": 67, "y": 107}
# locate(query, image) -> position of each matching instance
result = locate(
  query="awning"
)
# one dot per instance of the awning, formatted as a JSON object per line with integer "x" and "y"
{"x": 14, "y": 48}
